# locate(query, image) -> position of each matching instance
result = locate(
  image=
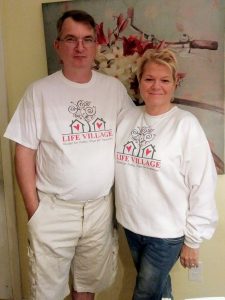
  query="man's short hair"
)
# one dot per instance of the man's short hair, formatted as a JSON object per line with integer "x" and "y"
{"x": 78, "y": 16}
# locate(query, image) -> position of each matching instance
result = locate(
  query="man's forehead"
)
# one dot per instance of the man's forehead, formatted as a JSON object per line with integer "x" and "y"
{"x": 70, "y": 24}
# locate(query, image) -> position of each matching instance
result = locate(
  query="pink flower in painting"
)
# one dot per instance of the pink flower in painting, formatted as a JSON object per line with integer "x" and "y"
{"x": 130, "y": 12}
{"x": 101, "y": 38}
{"x": 121, "y": 23}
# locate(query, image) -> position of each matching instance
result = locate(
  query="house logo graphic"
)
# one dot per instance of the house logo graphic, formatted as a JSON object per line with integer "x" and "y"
{"x": 129, "y": 148}
{"x": 148, "y": 151}
{"x": 99, "y": 124}
{"x": 86, "y": 126}
{"x": 77, "y": 126}
{"x": 139, "y": 151}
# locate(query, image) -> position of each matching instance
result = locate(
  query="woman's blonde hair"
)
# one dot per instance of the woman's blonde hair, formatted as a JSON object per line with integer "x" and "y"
{"x": 163, "y": 57}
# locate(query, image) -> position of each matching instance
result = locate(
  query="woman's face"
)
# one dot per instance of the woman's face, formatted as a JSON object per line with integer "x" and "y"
{"x": 157, "y": 88}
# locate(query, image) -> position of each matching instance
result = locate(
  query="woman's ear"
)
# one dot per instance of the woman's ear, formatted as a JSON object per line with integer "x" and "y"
{"x": 179, "y": 78}
{"x": 176, "y": 82}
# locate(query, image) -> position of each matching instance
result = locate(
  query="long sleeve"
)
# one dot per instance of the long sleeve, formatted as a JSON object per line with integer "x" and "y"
{"x": 201, "y": 178}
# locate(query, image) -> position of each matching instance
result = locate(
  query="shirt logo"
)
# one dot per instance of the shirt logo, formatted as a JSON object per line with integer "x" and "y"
{"x": 139, "y": 151}
{"x": 86, "y": 126}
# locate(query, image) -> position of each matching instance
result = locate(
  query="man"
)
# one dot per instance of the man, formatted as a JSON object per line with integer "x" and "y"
{"x": 64, "y": 129}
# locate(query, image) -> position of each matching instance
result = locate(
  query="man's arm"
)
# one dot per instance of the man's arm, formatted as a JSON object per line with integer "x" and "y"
{"x": 25, "y": 165}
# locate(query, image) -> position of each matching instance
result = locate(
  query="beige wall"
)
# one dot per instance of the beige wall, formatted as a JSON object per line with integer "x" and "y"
{"x": 25, "y": 60}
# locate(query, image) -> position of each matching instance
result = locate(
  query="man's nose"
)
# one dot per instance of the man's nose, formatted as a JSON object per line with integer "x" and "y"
{"x": 79, "y": 45}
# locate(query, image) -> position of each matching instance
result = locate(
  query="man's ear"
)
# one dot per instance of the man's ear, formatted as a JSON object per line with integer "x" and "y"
{"x": 56, "y": 47}
{"x": 56, "y": 44}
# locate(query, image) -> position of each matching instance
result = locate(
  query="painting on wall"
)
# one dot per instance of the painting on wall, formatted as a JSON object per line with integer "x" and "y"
{"x": 193, "y": 29}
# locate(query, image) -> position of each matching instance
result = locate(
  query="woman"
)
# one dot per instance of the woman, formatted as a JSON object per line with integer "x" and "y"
{"x": 165, "y": 179}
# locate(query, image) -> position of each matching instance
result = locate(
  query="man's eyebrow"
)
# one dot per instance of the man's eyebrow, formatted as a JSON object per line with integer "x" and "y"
{"x": 74, "y": 36}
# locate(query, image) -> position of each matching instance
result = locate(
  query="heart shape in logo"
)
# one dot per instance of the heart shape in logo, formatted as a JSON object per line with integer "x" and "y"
{"x": 77, "y": 127}
{"x": 128, "y": 148}
{"x": 99, "y": 125}
{"x": 148, "y": 152}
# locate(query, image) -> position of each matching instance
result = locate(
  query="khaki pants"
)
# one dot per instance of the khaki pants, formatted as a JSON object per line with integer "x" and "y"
{"x": 66, "y": 235}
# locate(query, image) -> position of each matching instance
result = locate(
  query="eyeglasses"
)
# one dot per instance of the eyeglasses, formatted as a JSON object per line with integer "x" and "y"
{"x": 87, "y": 41}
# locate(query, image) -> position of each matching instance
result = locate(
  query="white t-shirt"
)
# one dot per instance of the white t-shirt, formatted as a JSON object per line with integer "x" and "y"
{"x": 165, "y": 176}
{"x": 72, "y": 127}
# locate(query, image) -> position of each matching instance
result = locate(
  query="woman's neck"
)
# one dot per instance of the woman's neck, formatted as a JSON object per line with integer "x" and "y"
{"x": 158, "y": 110}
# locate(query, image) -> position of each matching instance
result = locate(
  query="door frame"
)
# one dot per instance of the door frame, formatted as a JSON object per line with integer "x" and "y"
{"x": 9, "y": 199}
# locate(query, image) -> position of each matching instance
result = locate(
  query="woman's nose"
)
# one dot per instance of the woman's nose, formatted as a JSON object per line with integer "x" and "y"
{"x": 155, "y": 84}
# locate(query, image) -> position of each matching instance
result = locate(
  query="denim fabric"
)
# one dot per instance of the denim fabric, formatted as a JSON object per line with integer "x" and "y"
{"x": 153, "y": 259}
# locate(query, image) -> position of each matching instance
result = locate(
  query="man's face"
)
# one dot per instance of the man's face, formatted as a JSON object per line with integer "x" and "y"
{"x": 76, "y": 46}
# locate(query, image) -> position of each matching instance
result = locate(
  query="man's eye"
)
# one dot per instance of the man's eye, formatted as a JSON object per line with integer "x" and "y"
{"x": 70, "y": 39}
{"x": 88, "y": 40}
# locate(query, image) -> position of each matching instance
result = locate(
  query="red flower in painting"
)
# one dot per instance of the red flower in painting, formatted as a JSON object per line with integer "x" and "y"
{"x": 101, "y": 38}
{"x": 133, "y": 44}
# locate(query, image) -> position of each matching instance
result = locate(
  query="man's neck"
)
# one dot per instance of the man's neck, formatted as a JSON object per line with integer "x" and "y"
{"x": 79, "y": 75}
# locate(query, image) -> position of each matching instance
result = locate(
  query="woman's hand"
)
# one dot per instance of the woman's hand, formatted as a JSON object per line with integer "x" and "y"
{"x": 189, "y": 257}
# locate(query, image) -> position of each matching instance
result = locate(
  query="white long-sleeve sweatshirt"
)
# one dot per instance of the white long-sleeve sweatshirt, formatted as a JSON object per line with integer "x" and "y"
{"x": 165, "y": 176}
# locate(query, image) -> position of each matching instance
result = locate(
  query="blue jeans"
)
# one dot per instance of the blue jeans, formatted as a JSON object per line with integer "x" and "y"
{"x": 153, "y": 259}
